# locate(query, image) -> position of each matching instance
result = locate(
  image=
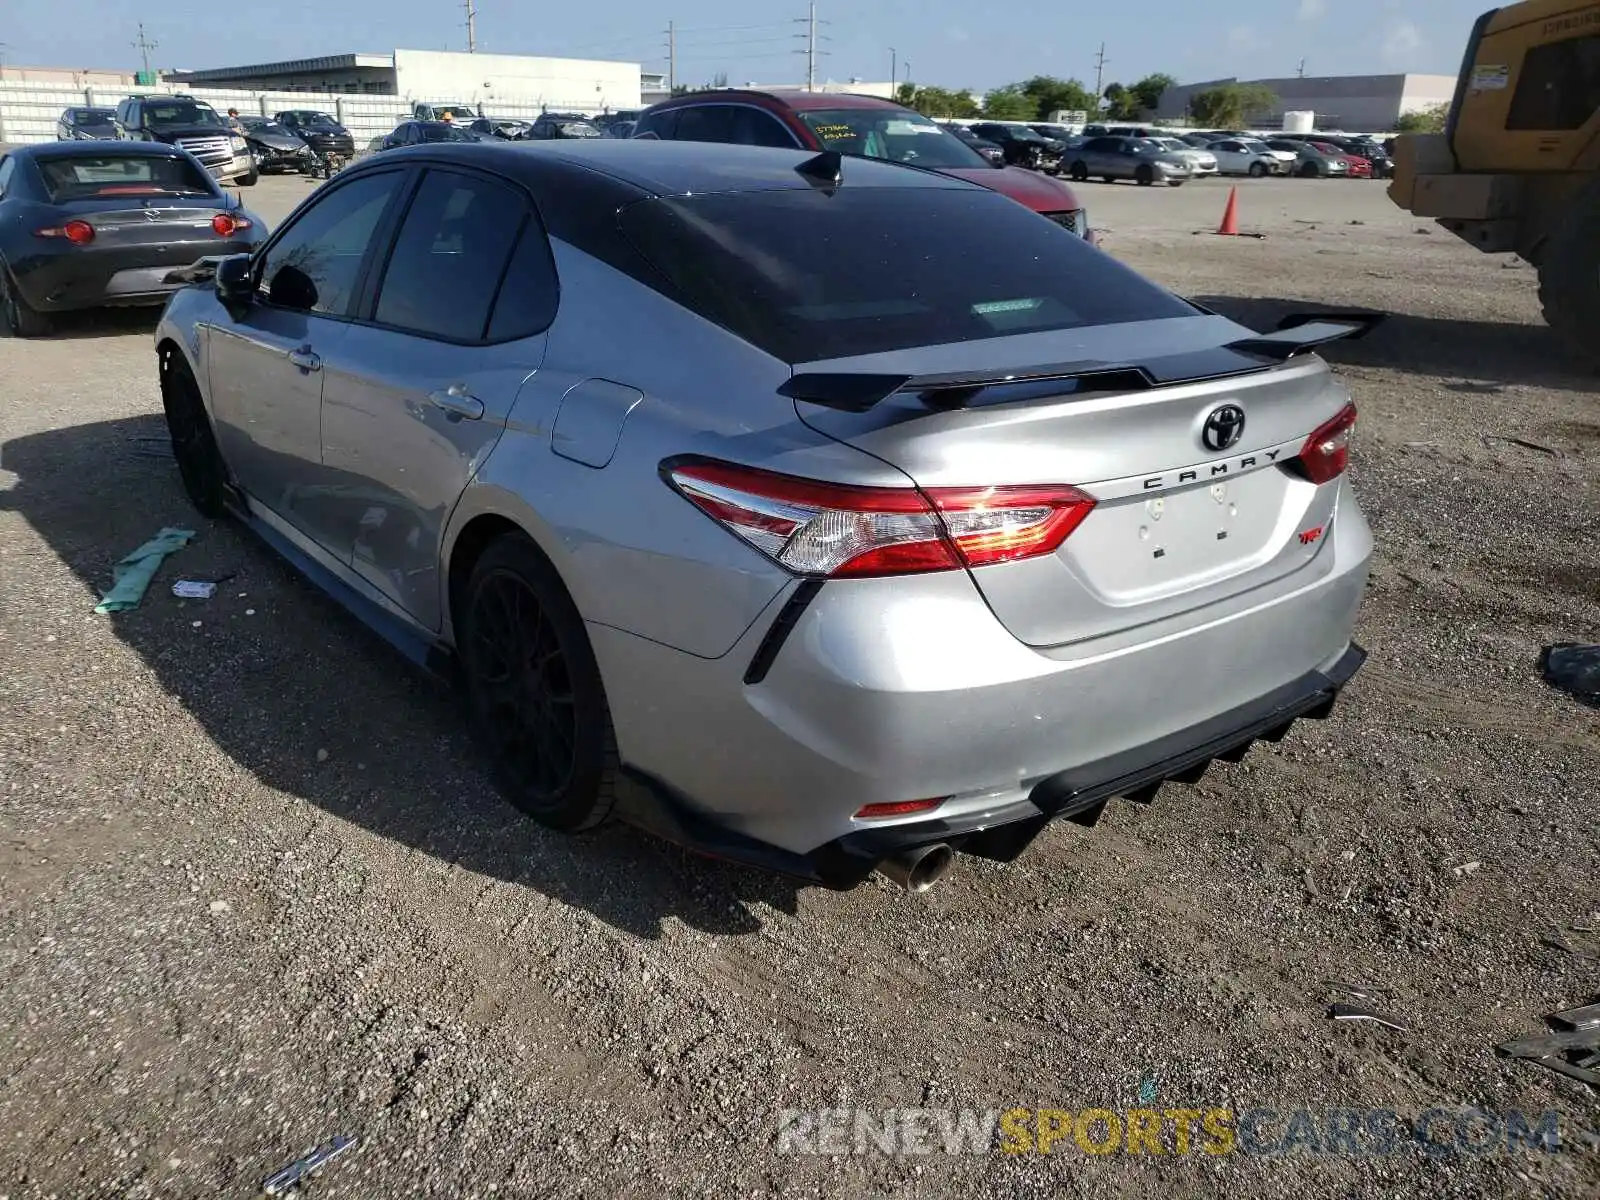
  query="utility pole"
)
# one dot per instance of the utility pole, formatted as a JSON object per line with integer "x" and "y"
{"x": 894, "y": 72}
{"x": 1302, "y": 68}
{"x": 811, "y": 50}
{"x": 672, "y": 57}
{"x": 472, "y": 28}
{"x": 1100, "y": 72}
{"x": 144, "y": 45}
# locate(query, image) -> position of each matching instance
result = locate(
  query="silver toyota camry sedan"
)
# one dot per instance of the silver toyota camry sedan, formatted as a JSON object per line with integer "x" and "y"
{"x": 824, "y": 514}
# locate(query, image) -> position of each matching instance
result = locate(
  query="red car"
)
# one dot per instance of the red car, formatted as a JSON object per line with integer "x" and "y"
{"x": 858, "y": 125}
{"x": 1360, "y": 168}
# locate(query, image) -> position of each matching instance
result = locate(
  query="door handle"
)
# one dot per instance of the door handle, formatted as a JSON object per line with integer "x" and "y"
{"x": 457, "y": 402}
{"x": 305, "y": 359}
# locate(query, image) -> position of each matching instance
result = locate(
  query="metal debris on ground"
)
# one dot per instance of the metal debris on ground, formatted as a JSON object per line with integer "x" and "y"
{"x": 1587, "y": 1017}
{"x": 296, "y": 1171}
{"x": 1574, "y": 668}
{"x": 1354, "y": 1012}
{"x": 1572, "y": 1048}
{"x": 194, "y": 589}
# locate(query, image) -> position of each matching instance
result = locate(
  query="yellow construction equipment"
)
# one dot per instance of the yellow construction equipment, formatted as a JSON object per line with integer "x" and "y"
{"x": 1518, "y": 165}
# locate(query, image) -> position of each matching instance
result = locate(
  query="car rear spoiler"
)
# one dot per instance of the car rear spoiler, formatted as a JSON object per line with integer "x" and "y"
{"x": 1295, "y": 334}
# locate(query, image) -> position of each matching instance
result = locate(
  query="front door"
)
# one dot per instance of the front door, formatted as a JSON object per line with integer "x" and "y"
{"x": 266, "y": 367}
{"x": 419, "y": 391}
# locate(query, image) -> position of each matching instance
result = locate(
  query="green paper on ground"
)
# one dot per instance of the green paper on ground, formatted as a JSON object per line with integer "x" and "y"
{"x": 131, "y": 577}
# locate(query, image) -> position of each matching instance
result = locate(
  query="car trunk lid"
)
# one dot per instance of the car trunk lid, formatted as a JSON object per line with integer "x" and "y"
{"x": 1189, "y": 457}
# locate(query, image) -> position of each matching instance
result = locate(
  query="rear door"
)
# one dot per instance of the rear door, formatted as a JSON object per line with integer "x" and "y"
{"x": 418, "y": 390}
{"x": 266, "y": 367}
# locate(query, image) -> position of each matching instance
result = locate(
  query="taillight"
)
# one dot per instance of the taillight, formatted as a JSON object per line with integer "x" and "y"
{"x": 841, "y": 531}
{"x": 226, "y": 224}
{"x": 79, "y": 233}
{"x": 896, "y": 808}
{"x": 1327, "y": 451}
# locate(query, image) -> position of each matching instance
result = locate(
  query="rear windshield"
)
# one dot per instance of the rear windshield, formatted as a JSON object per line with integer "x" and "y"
{"x": 79, "y": 178}
{"x": 577, "y": 129}
{"x": 805, "y": 275}
{"x": 888, "y": 133}
{"x": 91, "y": 116}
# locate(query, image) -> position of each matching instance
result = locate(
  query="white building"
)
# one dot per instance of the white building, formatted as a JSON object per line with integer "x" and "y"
{"x": 852, "y": 87}
{"x": 587, "y": 85}
{"x": 1365, "y": 103}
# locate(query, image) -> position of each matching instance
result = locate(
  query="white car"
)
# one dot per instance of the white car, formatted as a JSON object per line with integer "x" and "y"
{"x": 1201, "y": 162}
{"x": 1247, "y": 156}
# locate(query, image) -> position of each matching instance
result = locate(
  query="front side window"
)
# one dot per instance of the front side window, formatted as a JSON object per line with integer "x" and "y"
{"x": 808, "y": 275}
{"x": 1559, "y": 87}
{"x": 314, "y": 266}
{"x": 450, "y": 256}
{"x": 895, "y": 135}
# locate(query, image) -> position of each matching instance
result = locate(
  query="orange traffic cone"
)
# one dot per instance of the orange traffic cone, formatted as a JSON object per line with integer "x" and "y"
{"x": 1230, "y": 215}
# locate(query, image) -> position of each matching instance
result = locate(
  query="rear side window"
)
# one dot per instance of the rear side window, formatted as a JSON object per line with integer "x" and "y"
{"x": 705, "y": 123}
{"x": 527, "y": 301}
{"x": 806, "y": 275}
{"x": 451, "y": 254}
{"x": 78, "y": 178}
{"x": 663, "y": 124}
{"x": 1559, "y": 87}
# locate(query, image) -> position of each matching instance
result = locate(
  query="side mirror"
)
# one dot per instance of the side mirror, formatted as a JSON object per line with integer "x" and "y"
{"x": 235, "y": 286}
{"x": 292, "y": 288}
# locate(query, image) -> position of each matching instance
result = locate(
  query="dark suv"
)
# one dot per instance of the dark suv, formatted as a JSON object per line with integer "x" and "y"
{"x": 1023, "y": 146}
{"x": 554, "y": 126}
{"x": 192, "y": 125}
{"x": 865, "y": 126}
{"x": 326, "y": 137}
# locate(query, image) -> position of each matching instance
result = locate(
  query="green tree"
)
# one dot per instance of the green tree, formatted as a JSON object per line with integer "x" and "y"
{"x": 1050, "y": 94}
{"x": 1121, "y": 104}
{"x": 1147, "y": 92}
{"x": 1009, "y": 103}
{"x": 937, "y": 101}
{"x": 1231, "y": 105}
{"x": 1428, "y": 120}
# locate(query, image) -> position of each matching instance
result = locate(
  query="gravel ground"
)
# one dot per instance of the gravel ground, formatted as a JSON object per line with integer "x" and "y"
{"x": 255, "y": 890}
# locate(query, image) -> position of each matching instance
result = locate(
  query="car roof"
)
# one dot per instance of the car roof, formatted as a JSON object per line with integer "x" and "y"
{"x": 96, "y": 150}
{"x": 666, "y": 168}
{"x": 798, "y": 101}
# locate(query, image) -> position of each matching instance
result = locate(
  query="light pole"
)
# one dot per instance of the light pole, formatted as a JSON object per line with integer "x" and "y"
{"x": 894, "y": 72}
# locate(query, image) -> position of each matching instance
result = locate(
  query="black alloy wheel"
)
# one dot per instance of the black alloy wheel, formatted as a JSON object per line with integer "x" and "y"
{"x": 538, "y": 705}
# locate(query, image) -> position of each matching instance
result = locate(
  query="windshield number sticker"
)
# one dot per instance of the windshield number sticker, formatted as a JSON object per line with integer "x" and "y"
{"x": 835, "y": 133}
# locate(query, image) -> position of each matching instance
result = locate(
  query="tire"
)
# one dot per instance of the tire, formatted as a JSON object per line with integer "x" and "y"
{"x": 558, "y": 763}
{"x": 1144, "y": 176}
{"x": 1176, "y": 182}
{"x": 1257, "y": 170}
{"x": 20, "y": 320}
{"x": 1310, "y": 171}
{"x": 1108, "y": 179}
{"x": 250, "y": 180}
{"x": 1569, "y": 276}
{"x": 194, "y": 445}
{"x": 1079, "y": 172}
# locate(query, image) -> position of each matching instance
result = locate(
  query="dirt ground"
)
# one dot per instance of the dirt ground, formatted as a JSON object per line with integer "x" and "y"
{"x": 255, "y": 890}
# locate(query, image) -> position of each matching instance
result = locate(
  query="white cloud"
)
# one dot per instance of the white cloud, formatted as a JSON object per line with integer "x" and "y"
{"x": 1401, "y": 41}
{"x": 1246, "y": 38}
{"x": 1310, "y": 10}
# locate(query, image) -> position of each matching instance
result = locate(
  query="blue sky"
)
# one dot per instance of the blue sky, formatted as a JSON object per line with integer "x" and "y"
{"x": 953, "y": 43}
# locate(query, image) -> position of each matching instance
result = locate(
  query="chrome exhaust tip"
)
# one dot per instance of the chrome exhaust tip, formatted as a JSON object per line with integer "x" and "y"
{"x": 918, "y": 870}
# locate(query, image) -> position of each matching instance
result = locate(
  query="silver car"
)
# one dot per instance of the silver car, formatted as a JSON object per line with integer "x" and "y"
{"x": 1142, "y": 160}
{"x": 817, "y": 512}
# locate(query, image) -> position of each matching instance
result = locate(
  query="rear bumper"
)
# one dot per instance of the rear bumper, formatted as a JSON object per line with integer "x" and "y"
{"x": 96, "y": 278}
{"x": 1004, "y": 832}
{"x": 879, "y": 691}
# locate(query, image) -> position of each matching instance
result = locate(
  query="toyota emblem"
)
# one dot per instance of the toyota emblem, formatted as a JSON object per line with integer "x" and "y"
{"x": 1223, "y": 428}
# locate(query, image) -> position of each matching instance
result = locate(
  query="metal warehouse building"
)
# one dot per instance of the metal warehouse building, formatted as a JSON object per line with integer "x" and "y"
{"x": 589, "y": 85}
{"x": 1369, "y": 103}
